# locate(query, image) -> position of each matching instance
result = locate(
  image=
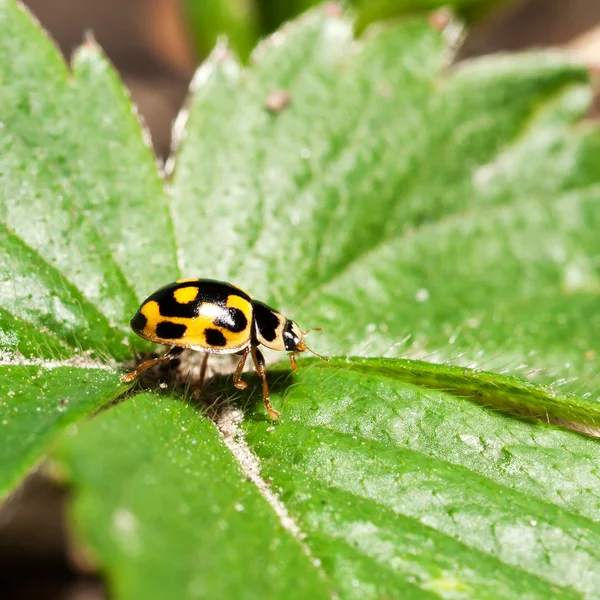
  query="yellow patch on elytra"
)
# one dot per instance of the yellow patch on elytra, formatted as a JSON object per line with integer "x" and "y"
{"x": 194, "y": 335}
{"x": 195, "y": 328}
{"x": 151, "y": 311}
{"x": 238, "y": 302}
{"x": 237, "y": 338}
{"x": 187, "y": 280}
{"x": 185, "y": 294}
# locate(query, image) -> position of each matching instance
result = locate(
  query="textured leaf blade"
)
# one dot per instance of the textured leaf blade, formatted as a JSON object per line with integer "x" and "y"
{"x": 434, "y": 492}
{"x": 83, "y": 175}
{"x": 513, "y": 288}
{"x": 168, "y": 513}
{"x": 37, "y": 404}
{"x": 389, "y": 199}
{"x": 284, "y": 172}
{"x": 436, "y": 236}
{"x": 35, "y": 296}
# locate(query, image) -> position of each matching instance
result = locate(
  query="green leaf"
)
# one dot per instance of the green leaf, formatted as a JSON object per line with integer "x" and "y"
{"x": 175, "y": 515}
{"x": 437, "y": 236}
{"x": 405, "y": 490}
{"x": 243, "y": 22}
{"x": 37, "y": 404}
{"x": 370, "y": 11}
{"x": 273, "y": 14}
{"x": 77, "y": 187}
{"x": 411, "y": 210}
{"x": 237, "y": 19}
{"x": 75, "y": 173}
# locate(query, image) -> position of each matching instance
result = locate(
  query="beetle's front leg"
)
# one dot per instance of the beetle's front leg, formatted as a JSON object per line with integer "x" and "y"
{"x": 259, "y": 365}
{"x": 293, "y": 361}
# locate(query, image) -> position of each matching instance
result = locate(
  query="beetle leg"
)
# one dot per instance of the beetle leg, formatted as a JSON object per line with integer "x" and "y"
{"x": 293, "y": 361}
{"x": 203, "y": 370}
{"x": 237, "y": 378}
{"x": 259, "y": 365}
{"x": 168, "y": 356}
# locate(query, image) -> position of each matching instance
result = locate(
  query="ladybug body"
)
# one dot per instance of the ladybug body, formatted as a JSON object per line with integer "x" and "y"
{"x": 215, "y": 317}
{"x": 200, "y": 314}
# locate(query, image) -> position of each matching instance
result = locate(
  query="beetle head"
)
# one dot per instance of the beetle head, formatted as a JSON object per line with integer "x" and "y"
{"x": 294, "y": 341}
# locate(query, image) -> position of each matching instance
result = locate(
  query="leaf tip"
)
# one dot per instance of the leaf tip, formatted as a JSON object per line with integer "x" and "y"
{"x": 332, "y": 18}
{"x": 89, "y": 51}
{"x": 221, "y": 59}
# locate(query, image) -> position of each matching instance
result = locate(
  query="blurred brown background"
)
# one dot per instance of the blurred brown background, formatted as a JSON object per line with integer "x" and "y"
{"x": 149, "y": 43}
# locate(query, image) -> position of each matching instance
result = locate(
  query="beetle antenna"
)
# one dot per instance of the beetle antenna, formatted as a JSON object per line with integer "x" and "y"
{"x": 317, "y": 355}
{"x": 312, "y": 329}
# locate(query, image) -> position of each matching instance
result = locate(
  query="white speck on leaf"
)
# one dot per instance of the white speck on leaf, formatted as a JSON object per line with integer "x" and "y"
{"x": 126, "y": 526}
{"x": 472, "y": 440}
{"x": 8, "y": 339}
{"x": 580, "y": 277}
{"x": 422, "y": 295}
{"x": 124, "y": 520}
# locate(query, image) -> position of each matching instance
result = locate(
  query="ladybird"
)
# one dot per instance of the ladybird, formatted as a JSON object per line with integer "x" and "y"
{"x": 216, "y": 318}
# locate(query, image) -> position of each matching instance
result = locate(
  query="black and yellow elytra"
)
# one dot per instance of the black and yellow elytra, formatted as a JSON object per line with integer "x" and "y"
{"x": 218, "y": 318}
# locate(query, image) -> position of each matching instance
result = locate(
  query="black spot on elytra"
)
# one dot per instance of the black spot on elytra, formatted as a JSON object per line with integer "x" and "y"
{"x": 209, "y": 290}
{"x": 138, "y": 322}
{"x": 170, "y": 331}
{"x": 169, "y": 307}
{"x": 232, "y": 319}
{"x": 266, "y": 319}
{"x": 214, "y": 337}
